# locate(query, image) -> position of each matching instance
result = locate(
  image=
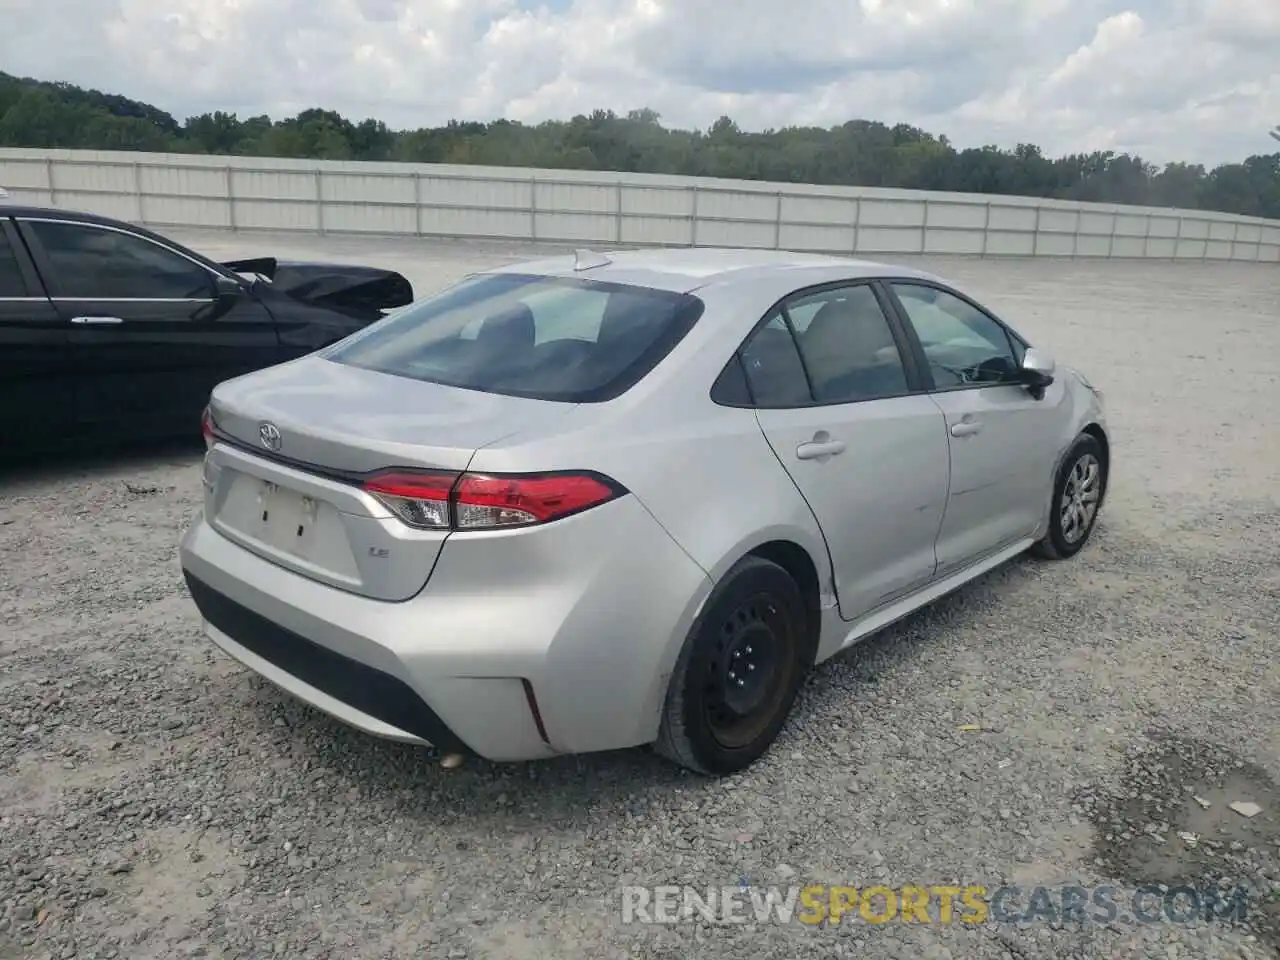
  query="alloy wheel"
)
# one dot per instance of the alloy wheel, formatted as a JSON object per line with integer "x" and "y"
{"x": 1080, "y": 496}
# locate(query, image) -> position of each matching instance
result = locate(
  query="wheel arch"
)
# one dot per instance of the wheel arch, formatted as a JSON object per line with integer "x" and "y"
{"x": 1099, "y": 433}
{"x": 801, "y": 567}
{"x": 683, "y": 733}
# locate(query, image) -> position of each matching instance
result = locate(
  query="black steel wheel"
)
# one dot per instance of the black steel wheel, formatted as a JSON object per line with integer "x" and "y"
{"x": 739, "y": 671}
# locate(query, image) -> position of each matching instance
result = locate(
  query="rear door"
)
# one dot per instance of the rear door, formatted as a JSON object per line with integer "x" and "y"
{"x": 1002, "y": 439}
{"x": 840, "y": 402}
{"x": 35, "y": 399}
{"x": 149, "y": 334}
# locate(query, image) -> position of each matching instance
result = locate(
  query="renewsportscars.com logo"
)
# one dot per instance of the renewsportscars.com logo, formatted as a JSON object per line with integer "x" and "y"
{"x": 970, "y": 904}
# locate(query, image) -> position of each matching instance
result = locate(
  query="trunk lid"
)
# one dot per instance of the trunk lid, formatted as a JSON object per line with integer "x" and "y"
{"x": 350, "y": 420}
{"x": 286, "y": 484}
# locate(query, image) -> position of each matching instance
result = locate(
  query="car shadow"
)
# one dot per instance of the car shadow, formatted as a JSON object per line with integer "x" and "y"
{"x": 72, "y": 463}
{"x": 570, "y": 788}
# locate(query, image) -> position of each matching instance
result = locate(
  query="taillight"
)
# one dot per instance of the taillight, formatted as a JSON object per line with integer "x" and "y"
{"x": 434, "y": 500}
{"x": 487, "y": 501}
{"x": 419, "y": 499}
{"x": 206, "y": 428}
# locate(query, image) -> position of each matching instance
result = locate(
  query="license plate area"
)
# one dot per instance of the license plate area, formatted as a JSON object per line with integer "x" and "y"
{"x": 286, "y": 520}
{"x": 323, "y": 529}
{"x": 289, "y": 526}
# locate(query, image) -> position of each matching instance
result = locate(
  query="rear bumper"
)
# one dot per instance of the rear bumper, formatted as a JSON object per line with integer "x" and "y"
{"x": 347, "y": 689}
{"x": 559, "y": 617}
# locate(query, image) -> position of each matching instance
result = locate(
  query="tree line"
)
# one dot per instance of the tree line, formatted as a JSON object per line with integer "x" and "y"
{"x": 36, "y": 113}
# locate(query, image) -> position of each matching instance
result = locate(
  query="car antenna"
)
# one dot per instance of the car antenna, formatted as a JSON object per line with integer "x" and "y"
{"x": 588, "y": 259}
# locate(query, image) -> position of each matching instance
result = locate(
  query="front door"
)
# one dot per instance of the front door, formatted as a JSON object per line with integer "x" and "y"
{"x": 150, "y": 335}
{"x": 35, "y": 383}
{"x": 864, "y": 445}
{"x": 1001, "y": 437}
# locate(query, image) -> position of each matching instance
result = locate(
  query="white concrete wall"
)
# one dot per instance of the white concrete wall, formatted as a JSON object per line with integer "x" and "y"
{"x": 588, "y": 207}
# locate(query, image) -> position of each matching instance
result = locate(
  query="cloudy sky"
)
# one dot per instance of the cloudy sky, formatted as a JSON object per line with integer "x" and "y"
{"x": 1172, "y": 79}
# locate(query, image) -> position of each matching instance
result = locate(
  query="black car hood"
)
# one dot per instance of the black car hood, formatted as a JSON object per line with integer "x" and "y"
{"x": 353, "y": 290}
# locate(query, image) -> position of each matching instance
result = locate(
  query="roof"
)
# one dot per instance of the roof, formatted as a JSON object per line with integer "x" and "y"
{"x": 685, "y": 269}
{"x": 22, "y": 210}
{"x": 79, "y": 216}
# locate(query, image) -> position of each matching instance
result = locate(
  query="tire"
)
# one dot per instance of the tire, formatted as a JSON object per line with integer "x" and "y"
{"x": 1066, "y": 538}
{"x": 714, "y": 722}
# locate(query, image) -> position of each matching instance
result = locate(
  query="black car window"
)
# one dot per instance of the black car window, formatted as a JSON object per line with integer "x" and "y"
{"x": 11, "y": 282}
{"x": 962, "y": 345}
{"x": 730, "y": 388}
{"x": 549, "y": 338}
{"x": 801, "y": 313}
{"x": 90, "y": 262}
{"x": 848, "y": 346}
{"x": 774, "y": 369}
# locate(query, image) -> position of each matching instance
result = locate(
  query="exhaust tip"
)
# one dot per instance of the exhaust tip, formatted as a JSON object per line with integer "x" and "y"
{"x": 452, "y": 761}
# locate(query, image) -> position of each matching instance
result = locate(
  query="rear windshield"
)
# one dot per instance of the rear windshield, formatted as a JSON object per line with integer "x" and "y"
{"x": 549, "y": 338}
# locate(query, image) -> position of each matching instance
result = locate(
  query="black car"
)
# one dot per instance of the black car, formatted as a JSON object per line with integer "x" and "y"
{"x": 109, "y": 331}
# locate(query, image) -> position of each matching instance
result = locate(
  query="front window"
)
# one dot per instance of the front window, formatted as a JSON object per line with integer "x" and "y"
{"x": 548, "y": 338}
{"x": 963, "y": 345}
{"x": 11, "y": 282}
{"x": 92, "y": 263}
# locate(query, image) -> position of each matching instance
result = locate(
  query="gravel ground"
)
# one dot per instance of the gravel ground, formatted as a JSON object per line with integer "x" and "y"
{"x": 157, "y": 801}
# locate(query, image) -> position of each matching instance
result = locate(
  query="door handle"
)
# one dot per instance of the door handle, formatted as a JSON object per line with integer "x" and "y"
{"x": 813, "y": 449}
{"x": 966, "y": 428}
{"x": 97, "y": 321}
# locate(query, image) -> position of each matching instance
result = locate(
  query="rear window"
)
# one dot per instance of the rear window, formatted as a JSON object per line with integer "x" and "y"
{"x": 549, "y": 338}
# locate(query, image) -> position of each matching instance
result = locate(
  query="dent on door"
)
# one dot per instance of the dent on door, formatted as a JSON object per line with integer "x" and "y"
{"x": 876, "y": 480}
{"x": 999, "y": 439}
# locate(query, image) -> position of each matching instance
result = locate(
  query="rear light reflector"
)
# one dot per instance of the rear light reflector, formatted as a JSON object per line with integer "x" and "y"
{"x": 533, "y": 709}
{"x": 420, "y": 499}
{"x": 433, "y": 500}
{"x": 206, "y": 428}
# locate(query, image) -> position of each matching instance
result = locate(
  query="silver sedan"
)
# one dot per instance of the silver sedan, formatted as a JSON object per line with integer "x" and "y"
{"x": 601, "y": 501}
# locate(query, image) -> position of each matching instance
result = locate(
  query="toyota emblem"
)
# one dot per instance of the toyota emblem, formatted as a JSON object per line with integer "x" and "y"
{"x": 269, "y": 434}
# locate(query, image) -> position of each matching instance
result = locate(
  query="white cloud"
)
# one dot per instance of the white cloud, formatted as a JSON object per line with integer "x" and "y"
{"x": 1173, "y": 79}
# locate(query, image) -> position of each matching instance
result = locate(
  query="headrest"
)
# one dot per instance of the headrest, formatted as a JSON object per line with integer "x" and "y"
{"x": 512, "y": 328}
{"x": 625, "y": 318}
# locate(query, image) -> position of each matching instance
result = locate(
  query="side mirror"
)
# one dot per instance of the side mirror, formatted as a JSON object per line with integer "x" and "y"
{"x": 1037, "y": 369}
{"x": 227, "y": 288}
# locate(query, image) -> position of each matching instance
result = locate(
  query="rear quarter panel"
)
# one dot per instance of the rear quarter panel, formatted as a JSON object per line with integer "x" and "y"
{"x": 712, "y": 486}
{"x": 704, "y": 472}
{"x": 709, "y": 478}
